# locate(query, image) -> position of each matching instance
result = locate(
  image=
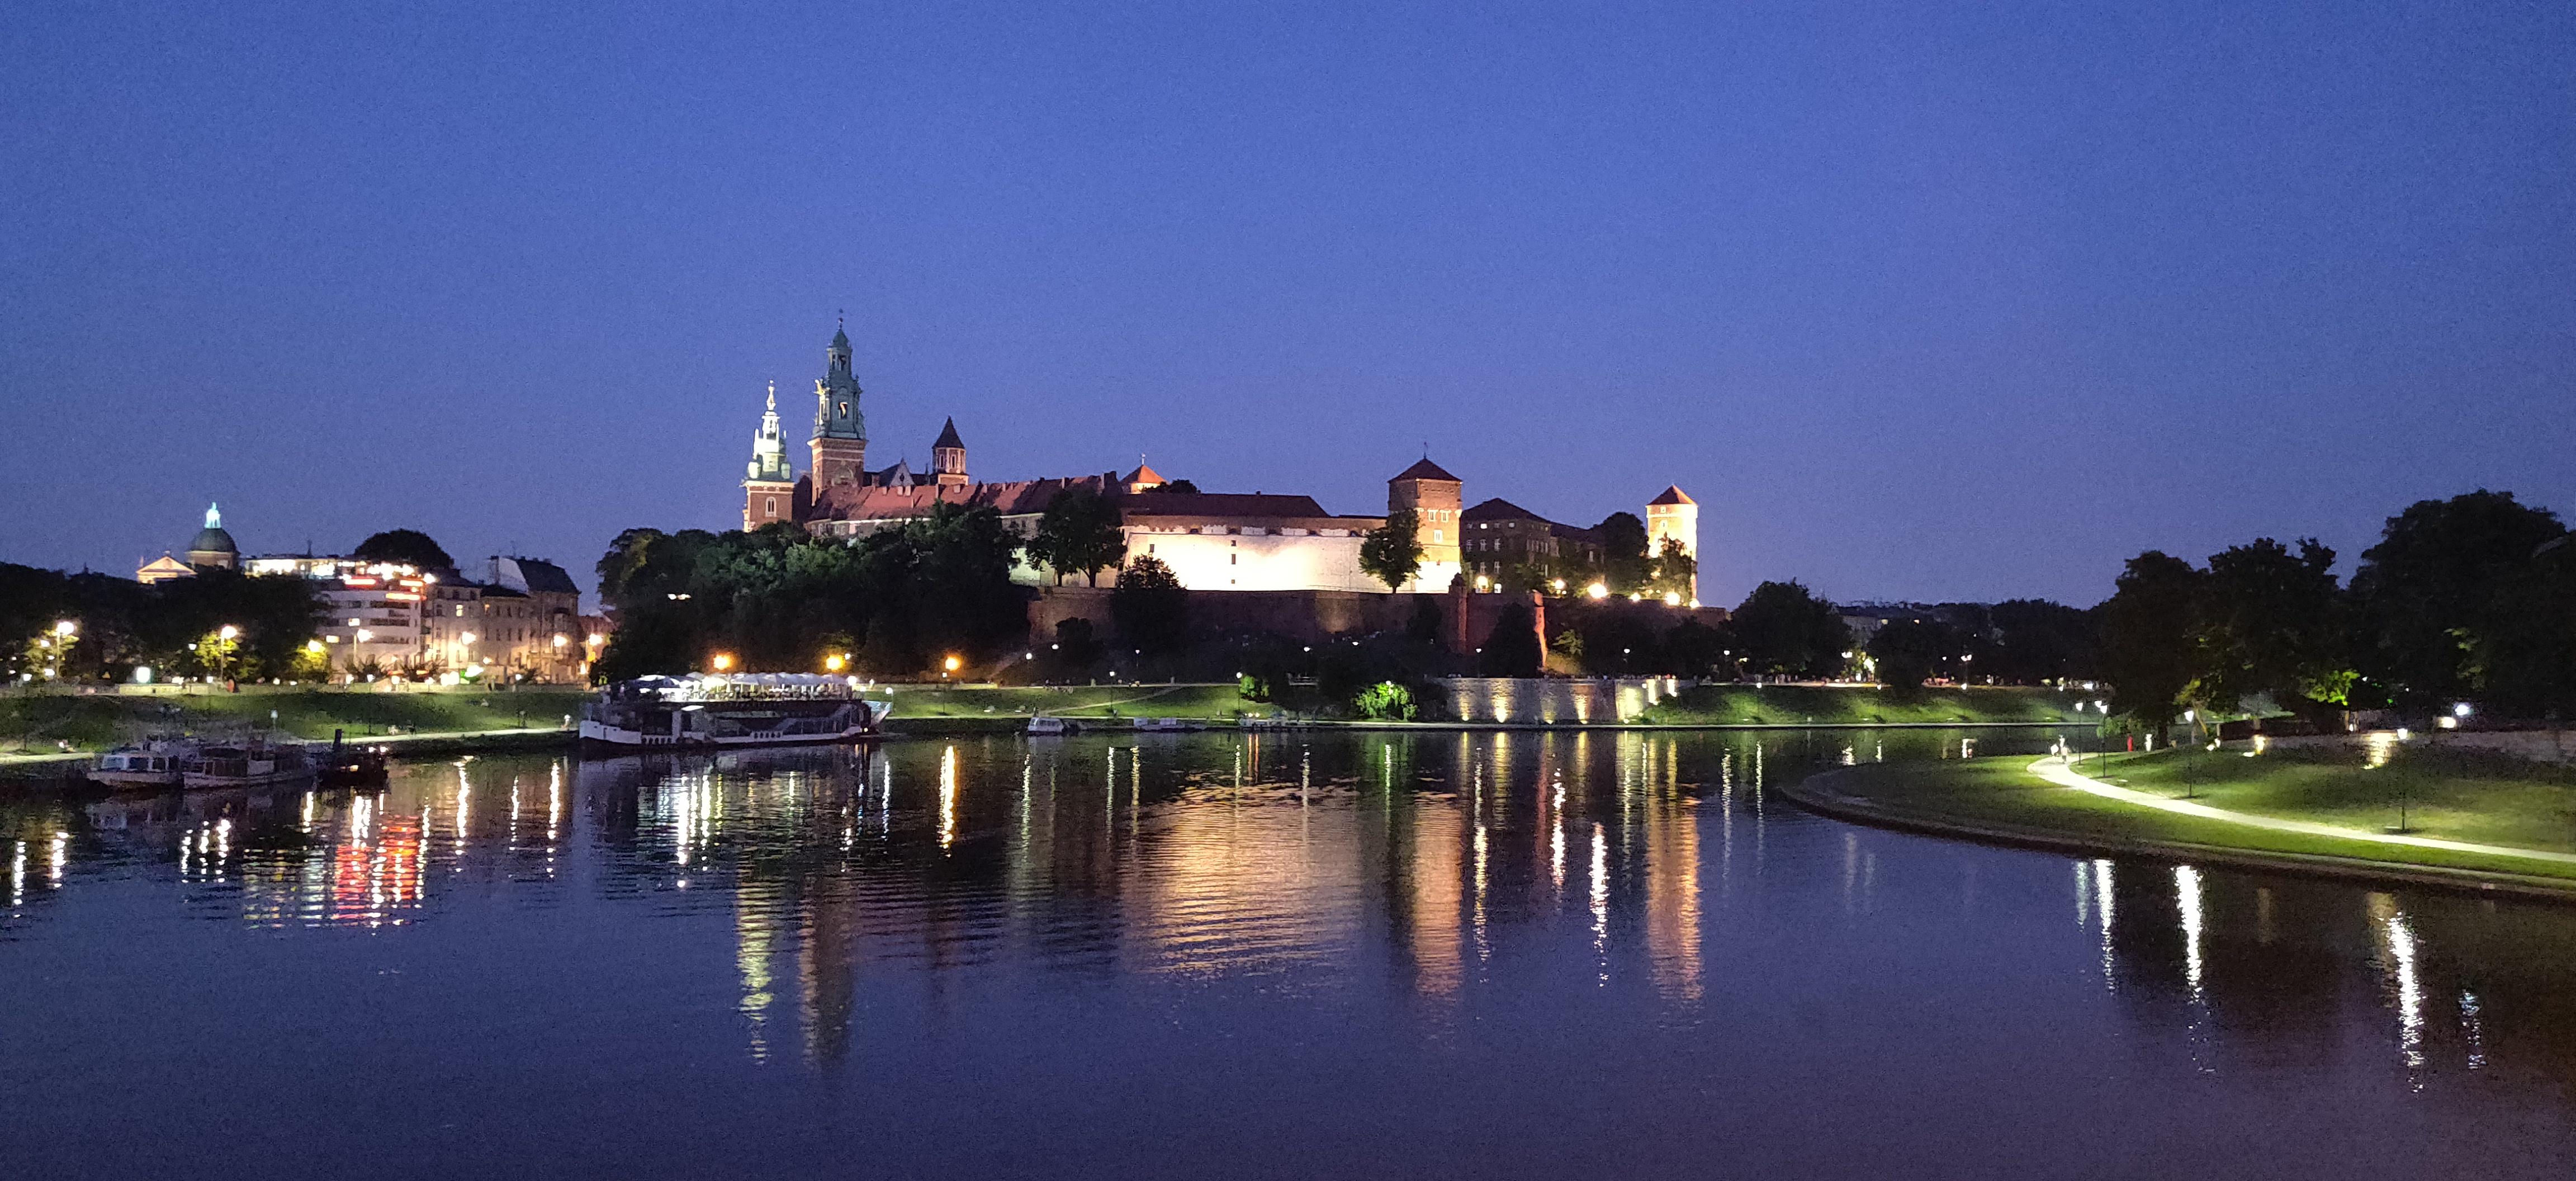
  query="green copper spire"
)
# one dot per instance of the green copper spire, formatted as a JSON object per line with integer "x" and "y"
{"x": 836, "y": 395}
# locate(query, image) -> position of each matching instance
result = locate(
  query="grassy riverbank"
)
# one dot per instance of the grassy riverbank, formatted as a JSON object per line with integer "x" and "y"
{"x": 41, "y": 723}
{"x": 2450, "y": 795}
{"x": 1857, "y": 705}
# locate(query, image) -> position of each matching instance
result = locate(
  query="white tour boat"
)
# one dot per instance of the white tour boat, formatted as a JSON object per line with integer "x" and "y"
{"x": 150, "y": 763}
{"x": 255, "y": 763}
{"x": 748, "y": 709}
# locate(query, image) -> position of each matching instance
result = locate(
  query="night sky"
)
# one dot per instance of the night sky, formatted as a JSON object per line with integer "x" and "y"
{"x": 1919, "y": 302}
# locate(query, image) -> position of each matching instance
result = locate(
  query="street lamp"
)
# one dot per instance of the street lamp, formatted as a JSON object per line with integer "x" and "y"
{"x": 722, "y": 661}
{"x": 835, "y": 663}
{"x": 228, "y": 632}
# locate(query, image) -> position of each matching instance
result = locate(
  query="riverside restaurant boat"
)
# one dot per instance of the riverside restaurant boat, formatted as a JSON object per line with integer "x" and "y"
{"x": 748, "y": 709}
{"x": 255, "y": 763}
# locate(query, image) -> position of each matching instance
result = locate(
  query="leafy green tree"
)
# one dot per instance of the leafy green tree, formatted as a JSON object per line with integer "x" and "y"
{"x": 409, "y": 547}
{"x": 2440, "y": 588}
{"x": 1624, "y": 563}
{"x": 2271, "y": 623}
{"x": 1392, "y": 552}
{"x": 1909, "y": 651}
{"x": 1691, "y": 648}
{"x": 1673, "y": 570}
{"x": 2039, "y": 641}
{"x": 1181, "y": 486}
{"x": 1512, "y": 648}
{"x": 1150, "y": 606}
{"x": 2524, "y": 664}
{"x": 1568, "y": 643}
{"x": 2151, "y": 626}
{"x": 1385, "y": 701}
{"x": 1080, "y": 533}
{"x": 1784, "y": 629}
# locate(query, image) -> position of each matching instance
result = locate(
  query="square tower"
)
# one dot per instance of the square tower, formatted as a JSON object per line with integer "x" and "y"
{"x": 1436, "y": 497}
{"x": 1674, "y": 516}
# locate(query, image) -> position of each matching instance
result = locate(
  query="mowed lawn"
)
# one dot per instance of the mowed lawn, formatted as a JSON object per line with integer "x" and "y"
{"x": 38, "y": 723}
{"x": 1857, "y": 705}
{"x": 2461, "y": 796}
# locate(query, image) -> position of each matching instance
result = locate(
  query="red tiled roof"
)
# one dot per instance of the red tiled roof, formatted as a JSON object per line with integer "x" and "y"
{"x": 1673, "y": 495}
{"x": 848, "y": 502}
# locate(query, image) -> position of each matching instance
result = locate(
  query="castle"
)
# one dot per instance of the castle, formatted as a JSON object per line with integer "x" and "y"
{"x": 1211, "y": 541}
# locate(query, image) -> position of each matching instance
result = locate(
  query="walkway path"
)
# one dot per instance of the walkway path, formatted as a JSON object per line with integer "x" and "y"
{"x": 2055, "y": 770}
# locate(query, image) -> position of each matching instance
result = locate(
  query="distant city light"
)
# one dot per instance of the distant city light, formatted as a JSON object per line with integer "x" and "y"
{"x": 952, "y": 664}
{"x": 723, "y": 661}
{"x": 1597, "y": 590}
{"x": 835, "y": 662}
{"x": 1672, "y": 598}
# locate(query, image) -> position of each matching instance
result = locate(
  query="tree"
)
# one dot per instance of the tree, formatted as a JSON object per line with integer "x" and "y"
{"x": 1424, "y": 627}
{"x": 1079, "y": 533}
{"x": 1150, "y": 606}
{"x": 1673, "y": 570}
{"x": 408, "y": 547}
{"x": 1691, "y": 648}
{"x": 2150, "y": 630}
{"x": 1182, "y": 486}
{"x": 1385, "y": 701}
{"x": 2436, "y": 591}
{"x": 2271, "y": 624}
{"x": 2039, "y": 641}
{"x": 1392, "y": 552}
{"x": 1909, "y": 651}
{"x": 1784, "y": 629}
{"x": 1624, "y": 565}
{"x": 1512, "y": 648}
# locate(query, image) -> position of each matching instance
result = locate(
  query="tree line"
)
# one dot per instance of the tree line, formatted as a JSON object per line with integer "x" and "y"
{"x": 2470, "y": 599}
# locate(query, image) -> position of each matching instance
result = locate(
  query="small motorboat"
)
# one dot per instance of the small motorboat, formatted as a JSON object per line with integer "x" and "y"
{"x": 255, "y": 763}
{"x": 150, "y": 763}
{"x": 1048, "y": 726}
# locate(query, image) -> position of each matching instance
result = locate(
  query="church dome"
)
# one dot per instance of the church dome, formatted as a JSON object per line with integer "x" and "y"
{"x": 212, "y": 546}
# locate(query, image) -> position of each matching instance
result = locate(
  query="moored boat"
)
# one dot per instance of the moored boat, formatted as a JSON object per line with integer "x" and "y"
{"x": 151, "y": 763}
{"x": 255, "y": 763}
{"x": 1050, "y": 726}
{"x": 750, "y": 709}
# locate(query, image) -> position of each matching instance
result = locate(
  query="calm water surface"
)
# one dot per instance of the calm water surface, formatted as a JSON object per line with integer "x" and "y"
{"x": 1196, "y": 955}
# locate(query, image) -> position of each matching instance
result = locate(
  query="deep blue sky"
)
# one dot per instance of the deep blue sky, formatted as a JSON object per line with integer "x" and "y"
{"x": 1917, "y": 301}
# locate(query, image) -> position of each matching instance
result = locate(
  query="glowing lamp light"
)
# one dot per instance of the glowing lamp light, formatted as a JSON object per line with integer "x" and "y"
{"x": 467, "y": 637}
{"x": 313, "y": 645}
{"x": 1558, "y": 585}
{"x": 723, "y": 662}
{"x": 65, "y": 627}
{"x": 953, "y": 663}
{"x": 2461, "y": 710}
{"x": 1672, "y": 598}
{"x": 1480, "y": 582}
{"x": 1597, "y": 590}
{"x": 594, "y": 639}
{"x": 560, "y": 640}
{"x": 835, "y": 663}
{"x": 229, "y": 632}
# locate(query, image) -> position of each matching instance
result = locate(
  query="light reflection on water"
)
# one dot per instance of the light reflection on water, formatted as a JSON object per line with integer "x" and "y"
{"x": 1497, "y": 914}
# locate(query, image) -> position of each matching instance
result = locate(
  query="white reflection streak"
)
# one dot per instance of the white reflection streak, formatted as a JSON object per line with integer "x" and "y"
{"x": 61, "y": 854}
{"x": 2102, "y": 897}
{"x": 306, "y": 820}
{"x": 1601, "y": 903}
{"x": 948, "y": 795}
{"x": 2083, "y": 895}
{"x": 2187, "y": 895}
{"x": 18, "y": 874}
{"x": 2474, "y": 1029}
{"x": 2410, "y": 991}
{"x": 1556, "y": 835}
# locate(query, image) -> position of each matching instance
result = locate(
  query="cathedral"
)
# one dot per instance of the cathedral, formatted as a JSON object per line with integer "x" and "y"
{"x": 1211, "y": 541}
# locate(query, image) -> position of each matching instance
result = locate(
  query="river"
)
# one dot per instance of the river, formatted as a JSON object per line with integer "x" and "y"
{"x": 1292, "y": 955}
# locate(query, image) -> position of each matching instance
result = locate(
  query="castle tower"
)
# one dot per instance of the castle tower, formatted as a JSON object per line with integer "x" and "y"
{"x": 1674, "y": 515}
{"x": 1437, "y": 497}
{"x": 840, "y": 430}
{"x": 948, "y": 457}
{"x": 769, "y": 484}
